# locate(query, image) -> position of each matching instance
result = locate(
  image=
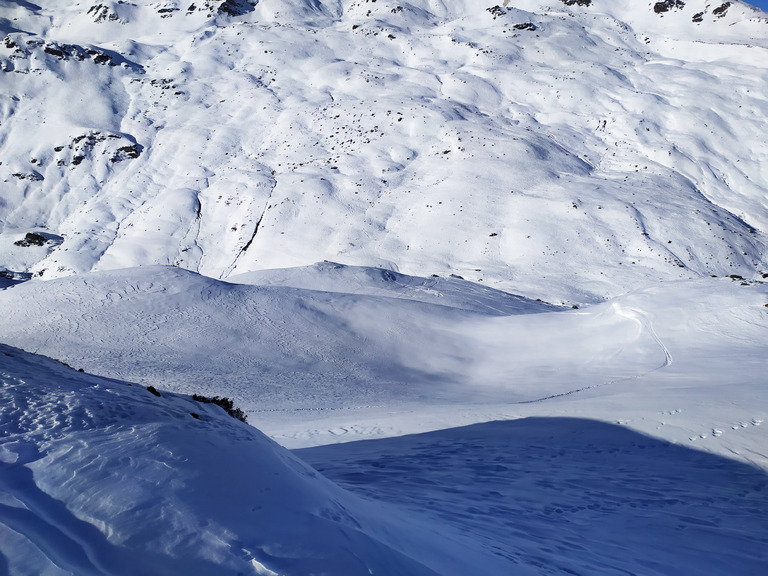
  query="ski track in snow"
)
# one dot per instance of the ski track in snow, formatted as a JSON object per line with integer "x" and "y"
{"x": 645, "y": 324}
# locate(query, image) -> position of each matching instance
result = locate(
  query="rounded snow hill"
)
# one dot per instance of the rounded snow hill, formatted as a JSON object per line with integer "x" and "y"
{"x": 101, "y": 477}
{"x": 683, "y": 361}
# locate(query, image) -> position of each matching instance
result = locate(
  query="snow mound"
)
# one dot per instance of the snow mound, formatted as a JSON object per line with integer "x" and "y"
{"x": 453, "y": 291}
{"x": 101, "y": 477}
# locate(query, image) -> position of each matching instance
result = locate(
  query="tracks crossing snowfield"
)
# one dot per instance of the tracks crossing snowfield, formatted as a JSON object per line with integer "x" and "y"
{"x": 569, "y": 496}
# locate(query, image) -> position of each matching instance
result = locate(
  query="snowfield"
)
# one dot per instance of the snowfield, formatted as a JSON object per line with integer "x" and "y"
{"x": 628, "y": 436}
{"x": 568, "y": 151}
{"x": 489, "y": 282}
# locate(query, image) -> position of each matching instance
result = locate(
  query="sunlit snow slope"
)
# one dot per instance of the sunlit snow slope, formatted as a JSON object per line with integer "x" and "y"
{"x": 563, "y": 150}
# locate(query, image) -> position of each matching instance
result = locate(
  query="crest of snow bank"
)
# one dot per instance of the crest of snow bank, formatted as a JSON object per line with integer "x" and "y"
{"x": 100, "y": 477}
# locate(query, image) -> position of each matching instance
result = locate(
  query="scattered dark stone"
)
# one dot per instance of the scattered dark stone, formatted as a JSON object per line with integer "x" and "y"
{"x": 195, "y": 415}
{"x": 526, "y": 26}
{"x": 126, "y": 153}
{"x": 496, "y": 11}
{"x": 698, "y": 17}
{"x": 577, "y": 2}
{"x": 721, "y": 10}
{"x": 80, "y": 370}
{"x": 153, "y": 390}
{"x": 736, "y": 277}
{"x": 32, "y": 239}
{"x": 101, "y": 13}
{"x": 492, "y": 234}
{"x": 667, "y": 5}
{"x": 77, "y": 159}
{"x": 54, "y": 52}
{"x": 102, "y": 58}
{"x": 575, "y": 307}
{"x": 33, "y": 176}
{"x": 236, "y": 7}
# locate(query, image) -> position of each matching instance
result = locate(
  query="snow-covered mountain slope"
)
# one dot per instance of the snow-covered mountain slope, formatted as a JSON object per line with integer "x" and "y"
{"x": 100, "y": 477}
{"x": 683, "y": 361}
{"x": 559, "y": 149}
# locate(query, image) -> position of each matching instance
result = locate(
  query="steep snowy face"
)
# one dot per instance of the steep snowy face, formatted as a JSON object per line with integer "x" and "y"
{"x": 590, "y": 147}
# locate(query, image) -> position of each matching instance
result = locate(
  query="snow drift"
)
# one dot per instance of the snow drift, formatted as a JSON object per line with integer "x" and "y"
{"x": 101, "y": 477}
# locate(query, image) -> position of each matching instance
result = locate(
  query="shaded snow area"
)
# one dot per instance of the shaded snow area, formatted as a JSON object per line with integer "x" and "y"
{"x": 98, "y": 477}
{"x": 570, "y": 496}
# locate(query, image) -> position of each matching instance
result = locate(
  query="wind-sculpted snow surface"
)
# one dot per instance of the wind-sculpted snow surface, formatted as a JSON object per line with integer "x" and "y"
{"x": 563, "y": 150}
{"x": 98, "y": 477}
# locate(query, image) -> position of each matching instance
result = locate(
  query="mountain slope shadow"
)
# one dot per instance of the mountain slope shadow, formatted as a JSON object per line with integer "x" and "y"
{"x": 570, "y": 495}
